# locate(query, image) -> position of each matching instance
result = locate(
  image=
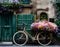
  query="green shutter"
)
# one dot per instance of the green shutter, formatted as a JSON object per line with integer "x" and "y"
{"x": 0, "y": 27}
{"x": 25, "y": 1}
{"x": 28, "y": 19}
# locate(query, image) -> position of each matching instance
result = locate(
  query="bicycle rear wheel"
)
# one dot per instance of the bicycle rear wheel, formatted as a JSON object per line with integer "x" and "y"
{"x": 44, "y": 39}
{"x": 20, "y": 38}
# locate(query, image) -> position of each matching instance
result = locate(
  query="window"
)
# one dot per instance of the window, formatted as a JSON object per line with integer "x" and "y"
{"x": 43, "y": 15}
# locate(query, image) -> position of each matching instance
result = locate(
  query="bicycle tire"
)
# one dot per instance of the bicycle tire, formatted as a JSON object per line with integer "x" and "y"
{"x": 22, "y": 33}
{"x": 41, "y": 43}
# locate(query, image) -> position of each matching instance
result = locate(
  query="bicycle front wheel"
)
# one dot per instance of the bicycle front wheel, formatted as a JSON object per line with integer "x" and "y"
{"x": 20, "y": 38}
{"x": 44, "y": 39}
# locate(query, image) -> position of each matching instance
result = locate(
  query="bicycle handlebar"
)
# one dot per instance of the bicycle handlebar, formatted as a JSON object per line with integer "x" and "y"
{"x": 23, "y": 25}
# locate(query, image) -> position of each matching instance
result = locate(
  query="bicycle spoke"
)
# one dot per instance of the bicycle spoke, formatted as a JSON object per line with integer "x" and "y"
{"x": 44, "y": 39}
{"x": 20, "y": 38}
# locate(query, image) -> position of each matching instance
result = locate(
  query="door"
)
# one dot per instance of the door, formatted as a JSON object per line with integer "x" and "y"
{"x": 6, "y": 28}
{"x": 0, "y": 28}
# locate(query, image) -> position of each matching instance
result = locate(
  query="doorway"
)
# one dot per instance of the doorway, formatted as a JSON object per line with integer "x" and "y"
{"x": 43, "y": 15}
{"x": 6, "y": 27}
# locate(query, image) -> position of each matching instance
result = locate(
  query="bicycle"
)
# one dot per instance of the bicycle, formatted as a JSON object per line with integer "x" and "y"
{"x": 43, "y": 37}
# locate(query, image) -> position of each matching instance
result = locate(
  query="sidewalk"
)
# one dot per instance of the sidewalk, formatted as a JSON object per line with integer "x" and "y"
{"x": 29, "y": 46}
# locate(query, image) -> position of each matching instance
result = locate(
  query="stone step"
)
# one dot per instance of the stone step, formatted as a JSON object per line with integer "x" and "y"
{"x": 6, "y": 43}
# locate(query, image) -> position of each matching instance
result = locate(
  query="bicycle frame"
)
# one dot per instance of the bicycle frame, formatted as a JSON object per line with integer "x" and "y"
{"x": 33, "y": 38}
